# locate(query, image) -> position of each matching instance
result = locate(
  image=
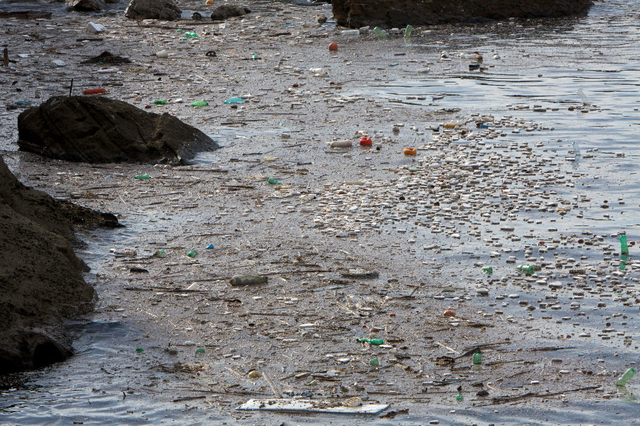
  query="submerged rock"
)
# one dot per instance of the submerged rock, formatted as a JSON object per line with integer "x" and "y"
{"x": 227, "y": 11}
{"x": 40, "y": 276}
{"x": 103, "y": 130}
{"x": 165, "y": 10}
{"x": 358, "y": 13}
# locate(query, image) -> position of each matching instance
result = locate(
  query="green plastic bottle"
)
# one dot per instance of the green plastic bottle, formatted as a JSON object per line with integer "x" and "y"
{"x": 628, "y": 375}
{"x": 191, "y": 35}
{"x": 142, "y": 177}
{"x": 477, "y": 358}
{"x": 273, "y": 181}
{"x": 200, "y": 350}
{"x": 408, "y": 31}
{"x": 161, "y": 102}
{"x": 380, "y": 33}
{"x": 526, "y": 269}
{"x": 624, "y": 249}
{"x": 200, "y": 104}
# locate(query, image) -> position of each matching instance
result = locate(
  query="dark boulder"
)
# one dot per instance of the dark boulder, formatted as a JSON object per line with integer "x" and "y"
{"x": 399, "y": 13}
{"x": 227, "y": 11}
{"x": 103, "y": 130}
{"x": 165, "y": 10}
{"x": 41, "y": 279}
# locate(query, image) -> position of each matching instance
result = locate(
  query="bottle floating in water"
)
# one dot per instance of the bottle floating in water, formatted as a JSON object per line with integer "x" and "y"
{"x": 380, "y": 33}
{"x": 624, "y": 248}
{"x": 408, "y": 31}
{"x": 487, "y": 270}
{"x": 526, "y": 269}
{"x": 628, "y": 375}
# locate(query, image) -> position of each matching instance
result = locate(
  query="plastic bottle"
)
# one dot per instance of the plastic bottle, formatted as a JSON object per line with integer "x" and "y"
{"x": 192, "y": 253}
{"x": 380, "y": 33}
{"x": 526, "y": 269}
{"x": 408, "y": 31}
{"x": 200, "y": 350}
{"x": 191, "y": 35}
{"x": 273, "y": 181}
{"x": 624, "y": 248}
{"x": 161, "y": 102}
{"x": 200, "y": 104}
{"x": 477, "y": 358}
{"x": 143, "y": 177}
{"x": 350, "y": 32}
{"x": 487, "y": 270}
{"x": 628, "y": 375}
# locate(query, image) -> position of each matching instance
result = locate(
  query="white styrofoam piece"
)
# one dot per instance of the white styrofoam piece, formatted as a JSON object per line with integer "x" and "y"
{"x": 309, "y": 406}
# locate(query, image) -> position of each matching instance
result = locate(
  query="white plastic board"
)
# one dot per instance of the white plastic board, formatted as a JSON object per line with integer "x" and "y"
{"x": 309, "y": 406}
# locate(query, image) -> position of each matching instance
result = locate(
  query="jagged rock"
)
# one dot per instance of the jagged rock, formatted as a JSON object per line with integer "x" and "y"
{"x": 165, "y": 10}
{"x": 40, "y": 276}
{"x": 85, "y": 5}
{"x": 103, "y": 130}
{"x": 398, "y": 13}
{"x": 227, "y": 11}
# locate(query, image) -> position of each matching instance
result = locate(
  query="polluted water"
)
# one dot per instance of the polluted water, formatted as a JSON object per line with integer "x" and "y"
{"x": 503, "y": 226}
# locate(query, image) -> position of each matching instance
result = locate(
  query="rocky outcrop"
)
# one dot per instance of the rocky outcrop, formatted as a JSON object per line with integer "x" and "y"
{"x": 227, "y": 11}
{"x": 103, "y": 130}
{"x": 41, "y": 281}
{"x": 399, "y": 13}
{"x": 165, "y": 10}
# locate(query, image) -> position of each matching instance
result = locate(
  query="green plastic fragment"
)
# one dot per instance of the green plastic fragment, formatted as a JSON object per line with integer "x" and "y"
{"x": 200, "y": 104}
{"x": 273, "y": 181}
{"x": 192, "y": 253}
{"x": 143, "y": 177}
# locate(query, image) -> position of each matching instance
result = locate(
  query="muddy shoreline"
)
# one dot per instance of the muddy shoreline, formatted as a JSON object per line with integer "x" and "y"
{"x": 301, "y": 329}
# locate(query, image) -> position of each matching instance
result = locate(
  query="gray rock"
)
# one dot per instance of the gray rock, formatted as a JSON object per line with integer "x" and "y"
{"x": 103, "y": 130}
{"x": 399, "y": 13}
{"x": 86, "y": 5}
{"x": 165, "y": 10}
{"x": 227, "y": 11}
